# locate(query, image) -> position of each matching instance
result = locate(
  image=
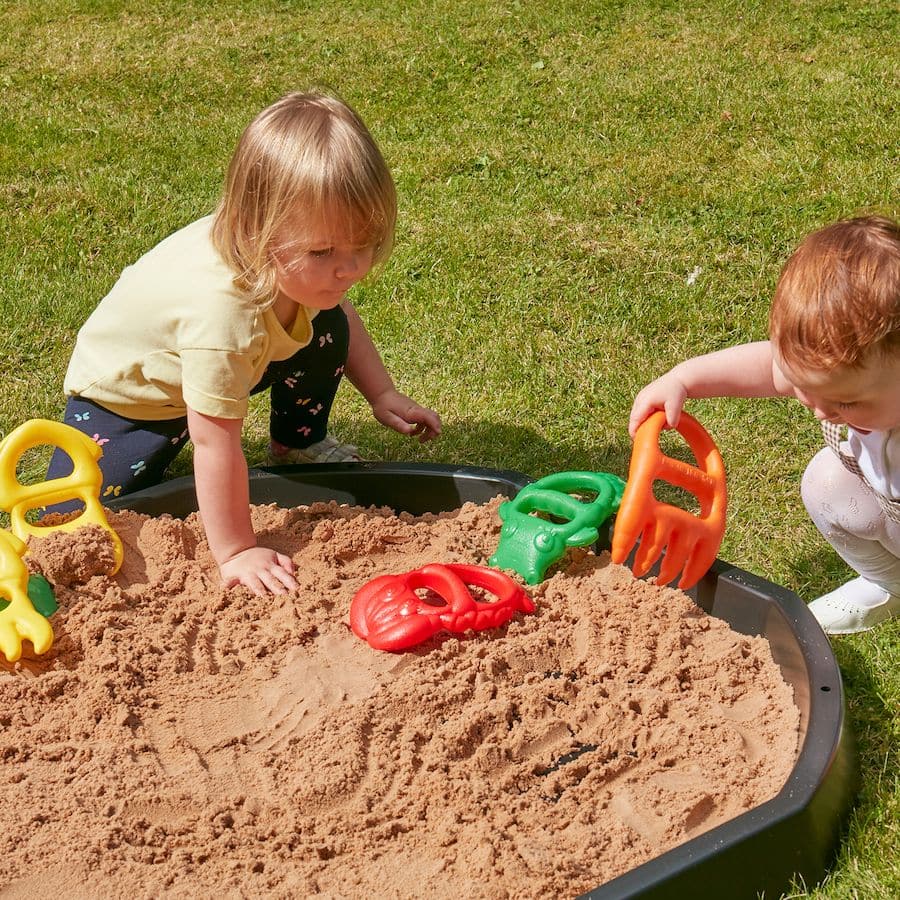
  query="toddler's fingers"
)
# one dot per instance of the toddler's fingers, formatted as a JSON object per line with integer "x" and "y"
{"x": 673, "y": 413}
{"x": 425, "y": 432}
{"x": 252, "y": 582}
{"x": 639, "y": 412}
{"x": 434, "y": 423}
{"x": 286, "y": 563}
{"x": 392, "y": 420}
{"x": 405, "y": 424}
{"x": 285, "y": 580}
{"x": 428, "y": 424}
{"x": 272, "y": 581}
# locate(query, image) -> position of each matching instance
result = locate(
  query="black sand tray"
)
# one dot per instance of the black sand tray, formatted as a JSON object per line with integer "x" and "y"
{"x": 758, "y": 853}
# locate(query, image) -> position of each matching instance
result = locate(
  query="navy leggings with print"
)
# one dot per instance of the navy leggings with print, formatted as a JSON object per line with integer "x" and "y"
{"x": 137, "y": 453}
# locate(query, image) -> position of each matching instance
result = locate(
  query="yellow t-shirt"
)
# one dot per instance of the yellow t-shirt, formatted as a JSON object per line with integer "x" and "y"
{"x": 174, "y": 332}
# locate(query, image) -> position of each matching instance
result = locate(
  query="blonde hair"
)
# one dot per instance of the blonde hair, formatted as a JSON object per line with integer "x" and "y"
{"x": 308, "y": 155}
{"x": 837, "y": 301}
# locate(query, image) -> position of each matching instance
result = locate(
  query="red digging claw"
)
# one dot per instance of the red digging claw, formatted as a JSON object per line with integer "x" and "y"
{"x": 389, "y": 614}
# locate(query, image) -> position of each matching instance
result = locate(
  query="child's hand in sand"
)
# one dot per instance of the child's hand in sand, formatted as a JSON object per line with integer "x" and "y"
{"x": 668, "y": 393}
{"x": 397, "y": 411}
{"x": 260, "y": 569}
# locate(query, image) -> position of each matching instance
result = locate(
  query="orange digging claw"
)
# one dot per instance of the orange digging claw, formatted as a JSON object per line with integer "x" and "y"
{"x": 690, "y": 541}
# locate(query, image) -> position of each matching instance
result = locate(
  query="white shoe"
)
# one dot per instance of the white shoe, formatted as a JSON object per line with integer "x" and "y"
{"x": 844, "y": 611}
{"x": 328, "y": 450}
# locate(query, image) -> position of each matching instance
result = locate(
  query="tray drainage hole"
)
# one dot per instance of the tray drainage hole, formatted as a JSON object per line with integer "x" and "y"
{"x": 825, "y": 688}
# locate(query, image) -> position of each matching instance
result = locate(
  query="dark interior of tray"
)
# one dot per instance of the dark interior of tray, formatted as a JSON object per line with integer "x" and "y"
{"x": 759, "y": 851}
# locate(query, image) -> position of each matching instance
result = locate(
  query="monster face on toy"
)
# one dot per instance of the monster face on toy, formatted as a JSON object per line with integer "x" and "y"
{"x": 530, "y": 544}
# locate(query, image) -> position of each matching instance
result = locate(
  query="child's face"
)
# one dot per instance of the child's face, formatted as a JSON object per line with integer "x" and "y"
{"x": 321, "y": 276}
{"x": 866, "y": 398}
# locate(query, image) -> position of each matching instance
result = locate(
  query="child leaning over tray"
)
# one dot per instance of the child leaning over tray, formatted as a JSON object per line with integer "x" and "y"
{"x": 834, "y": 328}
{"x": 250, "y": 298}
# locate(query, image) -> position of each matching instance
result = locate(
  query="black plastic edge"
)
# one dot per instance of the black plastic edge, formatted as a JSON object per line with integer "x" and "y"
{"x": 302, "y": 484}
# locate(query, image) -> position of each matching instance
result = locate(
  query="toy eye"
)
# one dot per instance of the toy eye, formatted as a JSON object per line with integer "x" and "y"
{"x": 543, "y": 541}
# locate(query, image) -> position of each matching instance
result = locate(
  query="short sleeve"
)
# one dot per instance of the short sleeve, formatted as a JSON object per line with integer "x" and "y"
{"x": 217, "y": 382}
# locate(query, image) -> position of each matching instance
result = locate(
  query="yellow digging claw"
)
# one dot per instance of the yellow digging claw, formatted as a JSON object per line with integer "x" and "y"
{"x": 82, "y": 484}
{"x": 20, "y": 620}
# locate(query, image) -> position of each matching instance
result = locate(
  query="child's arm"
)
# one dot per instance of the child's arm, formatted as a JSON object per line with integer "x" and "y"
{"x": 369, "y": 376}
{"x": 747, "y": 370}
{"x": 223, "y": 496}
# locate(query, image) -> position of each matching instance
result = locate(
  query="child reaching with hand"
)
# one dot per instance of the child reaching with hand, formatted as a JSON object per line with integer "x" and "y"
{"x": 834, "y": 328}
{"x": 250, "y": 298}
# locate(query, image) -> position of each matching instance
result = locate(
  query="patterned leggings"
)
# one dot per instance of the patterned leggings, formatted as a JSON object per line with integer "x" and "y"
{"x": 137, "y": 453}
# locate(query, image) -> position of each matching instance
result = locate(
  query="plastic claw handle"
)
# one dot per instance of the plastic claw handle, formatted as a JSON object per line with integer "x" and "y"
{"x": 389, "y": 614}
{"x": 82, "y": 484}
{"x": 18, "y": 620}
{"x": 690, "y": 541}
{"x": 530, "y": 544}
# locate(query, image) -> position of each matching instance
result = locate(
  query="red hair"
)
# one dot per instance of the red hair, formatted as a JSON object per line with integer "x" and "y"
{"x": 838, "y": 296}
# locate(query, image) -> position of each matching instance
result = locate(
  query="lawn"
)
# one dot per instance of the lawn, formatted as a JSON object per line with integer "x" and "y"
{"x": 589, "y": 192}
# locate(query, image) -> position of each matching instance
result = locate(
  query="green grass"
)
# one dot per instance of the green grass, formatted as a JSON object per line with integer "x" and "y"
{"x": 562, "y": 168}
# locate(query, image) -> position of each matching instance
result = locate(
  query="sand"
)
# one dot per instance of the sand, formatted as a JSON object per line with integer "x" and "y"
{"x": 183, "y": 740}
